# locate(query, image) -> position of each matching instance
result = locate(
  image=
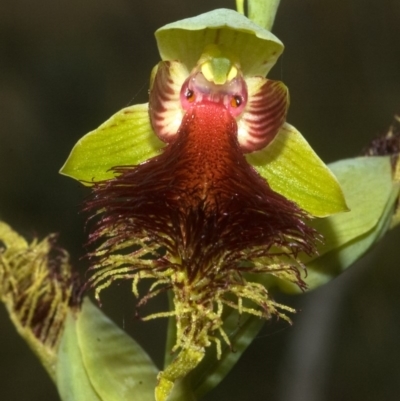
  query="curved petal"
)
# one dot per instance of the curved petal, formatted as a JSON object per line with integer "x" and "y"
{"x": 256, "y": 48}
{"x": 294, "y": 170}
{"x": 264, "y": 114}
{"x": 165, "y": 108}
{"x": 125, "y": 139}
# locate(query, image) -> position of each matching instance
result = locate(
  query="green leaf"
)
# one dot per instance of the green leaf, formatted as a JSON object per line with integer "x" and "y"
{"x": 294, "y": 170}
{"x": 97, "y": 361}
{"x": 125, "y": 139}
{"x": 367, "y": 184}
{"x": 72, "y": 380}
{"x": 331, "y": 264}
{"x": 118, "y": 368}
{"x": 371, "y": 193}
{"x": 256, "y": 48}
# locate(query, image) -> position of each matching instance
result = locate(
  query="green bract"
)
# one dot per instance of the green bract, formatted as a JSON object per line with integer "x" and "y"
{"x": 99, "y": 361}
{"x": 371, "y": 193}
{"x": 73, "y": 382}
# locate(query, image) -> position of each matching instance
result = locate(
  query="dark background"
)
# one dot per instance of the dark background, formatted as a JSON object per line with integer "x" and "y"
{"x": 66, "y": 66}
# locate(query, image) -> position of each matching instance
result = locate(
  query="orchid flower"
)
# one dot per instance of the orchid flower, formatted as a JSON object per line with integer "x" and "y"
{"x": 197, "y": 217}
{"x": 207, "y": 191}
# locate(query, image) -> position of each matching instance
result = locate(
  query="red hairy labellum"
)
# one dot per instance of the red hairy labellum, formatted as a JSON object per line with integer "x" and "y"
{"x": 200, "y": 200}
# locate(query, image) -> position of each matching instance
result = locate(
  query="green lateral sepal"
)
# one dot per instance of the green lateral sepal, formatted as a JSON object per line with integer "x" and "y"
{"x": 294, "y": 170}
{"x": 124, "y": 139}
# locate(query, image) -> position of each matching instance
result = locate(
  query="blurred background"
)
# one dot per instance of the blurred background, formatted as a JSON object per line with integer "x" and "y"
{"x": 66, "y": 66}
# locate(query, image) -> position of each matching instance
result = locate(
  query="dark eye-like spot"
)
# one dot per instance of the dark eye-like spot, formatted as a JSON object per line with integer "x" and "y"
{"x": 189, "y": 94}
{"x": 236, "y": 101}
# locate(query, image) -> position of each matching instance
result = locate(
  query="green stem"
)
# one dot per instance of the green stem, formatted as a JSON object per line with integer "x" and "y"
{"x": 261, "y": 12}
{"x": 240, "y": 6}
{"x": 182, "y": 391}
{"x": 171, "y": 332}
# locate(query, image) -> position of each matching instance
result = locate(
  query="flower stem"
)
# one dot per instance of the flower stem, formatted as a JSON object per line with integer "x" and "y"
{"x": 262, "y": 12}
{"x": 182, "y": 391}
{"x": 240, "y": 6}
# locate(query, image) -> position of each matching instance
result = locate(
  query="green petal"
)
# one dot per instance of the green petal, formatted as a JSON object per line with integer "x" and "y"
{"x": 293, "y": 169}
{"x": 73, "y": 382}
{"x": 118, "y": 368}
{"x": 256, "y": 48}
{"x": 125, "y": 139}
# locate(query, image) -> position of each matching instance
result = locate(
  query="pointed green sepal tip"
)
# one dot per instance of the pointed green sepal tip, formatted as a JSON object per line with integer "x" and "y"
{"x": 294, "y": 170}
{"x": 371, "y": 193}
{"x": 125, "y": 139}
{"x": 255, "y": 48}
{"x": 99, "y": 361}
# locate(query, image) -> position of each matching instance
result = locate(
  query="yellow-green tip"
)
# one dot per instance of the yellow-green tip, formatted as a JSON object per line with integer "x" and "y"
{"x": 218, "y": 65}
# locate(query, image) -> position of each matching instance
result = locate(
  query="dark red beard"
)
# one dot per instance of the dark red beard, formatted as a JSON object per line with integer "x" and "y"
{"x": 200, "y": 200}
